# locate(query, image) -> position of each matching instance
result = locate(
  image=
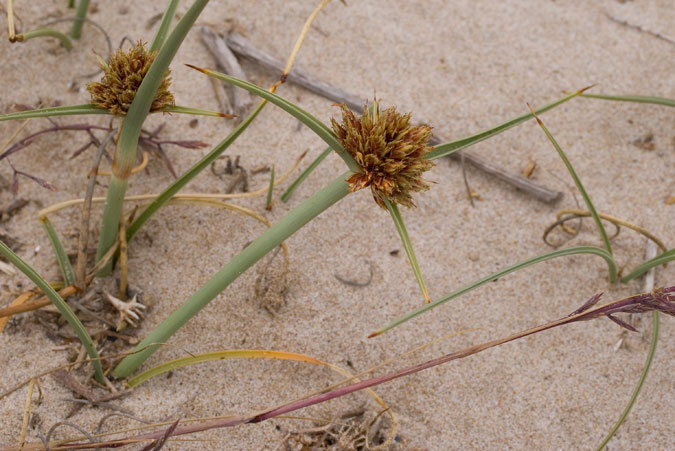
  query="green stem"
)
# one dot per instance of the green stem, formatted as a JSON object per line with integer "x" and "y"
{"x": 45, "y": 32}
{"x": 649, "y": 264}
{"x": 164, "y": 25}
{"x": 80, "y": 14}
{"x": 305, "y": 173}
{"x": 61, "y": 255}
{"x": 641, "y": 381}
{"x": 191, "y": 173}
{"x": 273, "y": 237}
{"x": 127, "y": 146}
{"x": 444, "y": 149}
{"x": 61, "y": 305}
{"x": 270, "y": 190}
{"x": 407, "y": 245}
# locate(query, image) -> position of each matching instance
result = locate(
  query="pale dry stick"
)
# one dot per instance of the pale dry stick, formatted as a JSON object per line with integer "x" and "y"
{"x": 639, "y": 28}
{"x": 26, "y": 413}
{"x": 83, "y": 239}
{"x": 10, "y": 20}
{"x": 242, "y": 47}
{"x": 240, "y": 99}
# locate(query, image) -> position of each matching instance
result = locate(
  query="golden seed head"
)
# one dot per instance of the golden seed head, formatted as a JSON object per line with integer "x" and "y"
{"x": 122, "y": 76}
{"x": 389, "y": 150}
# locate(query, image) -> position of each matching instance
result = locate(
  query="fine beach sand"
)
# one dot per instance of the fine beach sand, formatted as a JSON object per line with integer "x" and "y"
{"x": 460, "y": 66}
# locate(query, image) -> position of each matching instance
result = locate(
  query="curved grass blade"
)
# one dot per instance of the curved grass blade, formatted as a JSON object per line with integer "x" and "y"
{"x": 287, "y": 194}
{"x": 637, "y": 99}
{"x": 303, "y": 116}
{"x": 70, "y": 110}
{"x": 45, "y": 32}
{"x": 580, "y": 187}
{"x": 494, "y": 276}
{"x": 164, "y": 25}
{"x": 641, "y": 381}
{"x": 649, "y": 264}
{"x": 184, "y": 179}
{"x": 442, "y": 150}
{"x": 210, "y": 356}
{"x": 407, "y": 245}
{"x": 195, "y": 111}
{"x": 61, "y": 255}
{"x": 60, "y": 304}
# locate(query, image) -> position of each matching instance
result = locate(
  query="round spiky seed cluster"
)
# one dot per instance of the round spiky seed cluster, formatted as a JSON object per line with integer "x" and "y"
{"x": 389, "y": 150}
{"x": 122, "y": 76}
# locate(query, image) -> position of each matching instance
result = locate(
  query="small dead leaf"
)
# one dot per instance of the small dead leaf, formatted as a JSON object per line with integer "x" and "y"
{"x": 646, "y": 142}
{"x": 670, "y": 200}
{"x": 529, "y": 168}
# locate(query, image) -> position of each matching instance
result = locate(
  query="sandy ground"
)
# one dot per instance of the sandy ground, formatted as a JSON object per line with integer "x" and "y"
{"x": 462, "y": 66}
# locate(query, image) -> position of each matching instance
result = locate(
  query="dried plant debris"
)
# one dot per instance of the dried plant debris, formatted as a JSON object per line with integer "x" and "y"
{"x": 356, "y": 430}
{"x": 122, "y": 76}
{"x": 389, "y": 150}
{"x": 646, "y": 142}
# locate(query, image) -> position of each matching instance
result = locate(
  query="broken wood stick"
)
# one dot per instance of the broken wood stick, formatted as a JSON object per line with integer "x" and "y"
{"x": 242, "y": 47}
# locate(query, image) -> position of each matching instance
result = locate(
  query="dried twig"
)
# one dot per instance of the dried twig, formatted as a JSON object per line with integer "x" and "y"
{"x": 240, "y": 99}
{"x": 83, "y": 240}
{"x": 241, "y": 46}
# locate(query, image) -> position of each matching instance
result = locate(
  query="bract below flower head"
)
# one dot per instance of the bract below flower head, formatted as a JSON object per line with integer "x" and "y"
{"x": 389, "y": 150}
{"x": 122, "y": 76}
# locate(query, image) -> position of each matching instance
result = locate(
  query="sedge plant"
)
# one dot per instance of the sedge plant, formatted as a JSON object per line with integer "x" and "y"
{"x": 381, "y": 149}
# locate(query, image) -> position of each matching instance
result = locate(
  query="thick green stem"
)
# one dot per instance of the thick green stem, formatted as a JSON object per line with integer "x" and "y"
{"x": 80, "y": 14}
{"x": 273, "y": 237}
{"x": 127, "y": 145}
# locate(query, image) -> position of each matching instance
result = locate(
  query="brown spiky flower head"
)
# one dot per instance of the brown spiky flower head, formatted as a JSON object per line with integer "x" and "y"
{"x": 389, "y": 150}
{"x": 122, "y": 76}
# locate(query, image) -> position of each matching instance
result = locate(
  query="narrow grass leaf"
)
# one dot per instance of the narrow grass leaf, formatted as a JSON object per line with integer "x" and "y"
{"x": 641, "y": 381}
{"x": 61, "y": 255}
{"x": 164, "y": 25}
{"x": 580, "y": 187}
{"x": 494, "y": 276}
{"x": 287, "y": 194}
{"x": 194, "y": 111}
{"x": 318, "y": 127}
{"x": 649, "y": 264}
{"x": 195, "y": 170}
{"x": 60, "y": 304}
{"x": 637, "y": 99}
{"x": 210, "y": 356}
{"x": 442, "y": 150}
{"x": 407, "y": 245}
{"x": 70, "y": 110}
